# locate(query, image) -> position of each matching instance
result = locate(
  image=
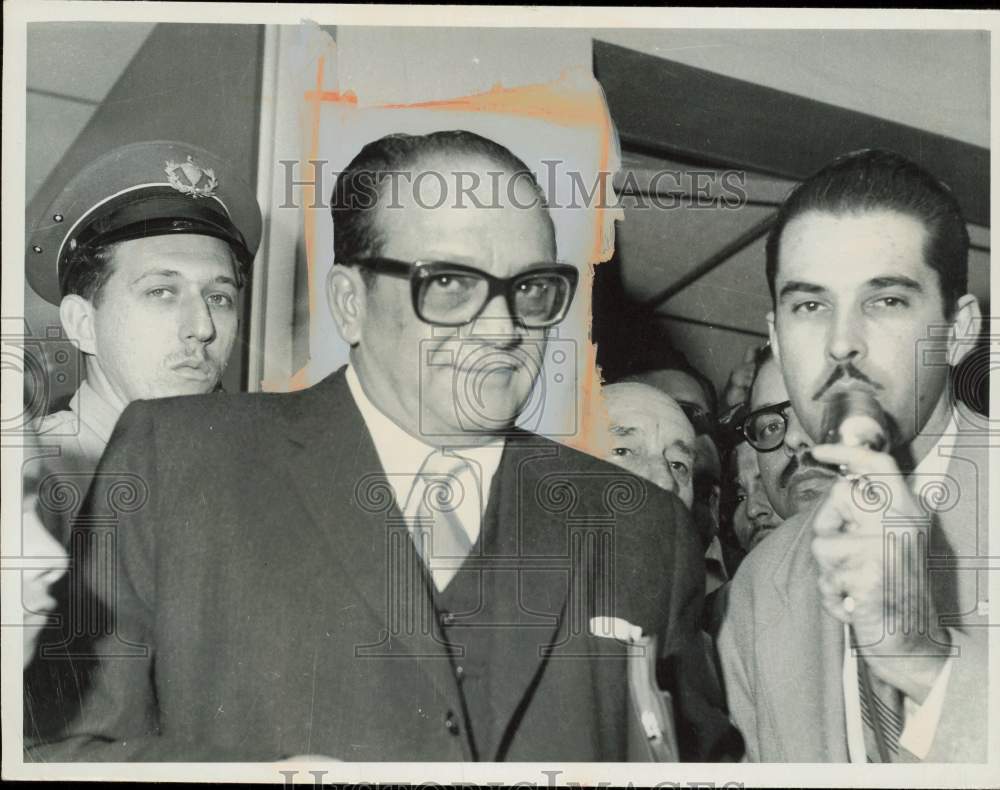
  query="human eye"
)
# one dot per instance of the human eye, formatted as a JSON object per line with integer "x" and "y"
{"x": 622, "y": 452}
{"x": 159, "y": 292}
{"x": 741, "y": 496}
{"x": 534, "y": 287}
{"x": 452, "y": 283}
{"x": 220, "y": 300}
{"x": 889, "y": 302}
{"x": 807, "y": 307}
{"x": 680, "y": 468}
{"x": 769, "y": 425}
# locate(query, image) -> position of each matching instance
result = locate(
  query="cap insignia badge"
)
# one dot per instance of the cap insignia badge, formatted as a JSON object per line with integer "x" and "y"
{"x": 191, "y": 179}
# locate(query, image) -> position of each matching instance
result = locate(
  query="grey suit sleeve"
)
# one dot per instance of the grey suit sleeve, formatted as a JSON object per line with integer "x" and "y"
{"x": 735, "y": 644}
{"x": 961, "y": 733}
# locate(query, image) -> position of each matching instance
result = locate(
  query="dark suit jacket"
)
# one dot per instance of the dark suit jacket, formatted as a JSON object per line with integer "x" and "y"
{"x": 255, "y": 592}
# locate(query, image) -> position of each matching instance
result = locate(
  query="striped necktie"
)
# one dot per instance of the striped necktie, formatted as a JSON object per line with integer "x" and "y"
{"x": 444, "y": 493}
{"x": 882, "y": 715}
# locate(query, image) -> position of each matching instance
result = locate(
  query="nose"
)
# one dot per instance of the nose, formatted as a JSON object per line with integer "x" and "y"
{"x": 661, "y": 474}
{"x": 758, "y": 506}
{"x": 196, "y": 322}
{"x": 796, "y": 438}
{"x": 497, "y": 322}
{"x": 846, "y": 339}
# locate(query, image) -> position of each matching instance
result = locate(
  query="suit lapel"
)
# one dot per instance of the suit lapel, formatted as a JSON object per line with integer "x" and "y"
{"x": 800, "y": 655}
{"x": 533, "y": 600}
{"x": 325, "y": 452}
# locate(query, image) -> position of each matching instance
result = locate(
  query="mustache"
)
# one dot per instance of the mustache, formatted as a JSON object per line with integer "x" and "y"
{"x": 795, "y": 464}
{"x": 845, "y": 371}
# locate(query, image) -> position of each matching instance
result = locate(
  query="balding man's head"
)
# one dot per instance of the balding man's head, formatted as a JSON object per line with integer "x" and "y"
{"x": 650, "y": 436}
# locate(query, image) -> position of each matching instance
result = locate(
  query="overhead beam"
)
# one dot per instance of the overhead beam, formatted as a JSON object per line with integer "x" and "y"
{"x": 660, "y": 105}
{"x": 740, "y": 243}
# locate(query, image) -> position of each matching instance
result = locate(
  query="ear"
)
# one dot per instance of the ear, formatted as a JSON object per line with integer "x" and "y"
{"x": 772, "y": 335}
{"x": 347, "y": 296}
{"x": 77, "y": 317}
{"x": 965, "y": 328}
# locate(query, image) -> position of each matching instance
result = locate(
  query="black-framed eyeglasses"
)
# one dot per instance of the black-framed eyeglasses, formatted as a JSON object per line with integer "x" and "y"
{"x": 451, "y": 294}
{"x": 765, "y": 428}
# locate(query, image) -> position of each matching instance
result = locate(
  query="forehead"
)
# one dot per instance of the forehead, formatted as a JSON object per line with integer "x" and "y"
{"x": 678, "y": 385}
{"x": 189, "y": 255}
{"x": 843, "y": 251}
{"x": 768, "y": 387}
{"x": 746, "y": 461}
{"x": 498, "y": 226}
{"x": 649, "y": 412}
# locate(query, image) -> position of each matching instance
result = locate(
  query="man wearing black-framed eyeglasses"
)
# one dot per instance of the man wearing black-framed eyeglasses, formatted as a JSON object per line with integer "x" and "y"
{"x": 792, "y": 479}
{"x": 409, "y": 575}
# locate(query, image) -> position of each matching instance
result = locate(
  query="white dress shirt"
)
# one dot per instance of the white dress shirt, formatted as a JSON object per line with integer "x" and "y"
{"x": 919, "y": 721}
{"x": 402, "y": 456}
{"x": 83, "y": 430}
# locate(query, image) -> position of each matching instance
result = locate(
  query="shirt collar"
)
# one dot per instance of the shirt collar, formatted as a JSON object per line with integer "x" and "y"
{"x": 935, "y": 463}
{"x": 94, "y": 411}
{"x": 402, "y": 455}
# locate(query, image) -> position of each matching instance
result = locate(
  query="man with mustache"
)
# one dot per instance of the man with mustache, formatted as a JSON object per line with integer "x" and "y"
{"x": 791, "y": 477}
{"x": 407, "y": 575}
{"x": 145, "y": 251}
{"x": 853, "y": 632}
{"x": 753, "y": 516}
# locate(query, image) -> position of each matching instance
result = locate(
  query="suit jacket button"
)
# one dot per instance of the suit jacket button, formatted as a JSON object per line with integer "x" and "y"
{"x": 451, "y": 723}
{"x": 459, "y": 671}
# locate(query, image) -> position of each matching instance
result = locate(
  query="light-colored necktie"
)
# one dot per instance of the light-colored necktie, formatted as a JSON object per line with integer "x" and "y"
{"x": 445, "y": 495}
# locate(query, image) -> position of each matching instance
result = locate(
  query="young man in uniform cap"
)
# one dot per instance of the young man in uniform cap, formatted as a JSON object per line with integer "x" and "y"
{"x": 145, "y": 252}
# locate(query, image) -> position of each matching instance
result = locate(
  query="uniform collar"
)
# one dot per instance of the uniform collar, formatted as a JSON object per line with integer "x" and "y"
{"x": 94, "y": 411}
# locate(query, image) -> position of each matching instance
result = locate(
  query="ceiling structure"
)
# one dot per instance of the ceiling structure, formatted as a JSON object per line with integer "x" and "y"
{"x": 699, "y": 269}
{"x": 71, "y": 68}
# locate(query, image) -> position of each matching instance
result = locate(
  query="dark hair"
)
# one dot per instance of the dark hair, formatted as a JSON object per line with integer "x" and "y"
{"x": 87, "y": 271}
{"x": 360, "y": 186}
{"x": 878, "y": 179}
{"x": 761, "y": 356}
{"x": 672, "y": 359}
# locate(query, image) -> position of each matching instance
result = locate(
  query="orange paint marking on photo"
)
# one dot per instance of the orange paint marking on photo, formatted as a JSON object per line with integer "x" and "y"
{"x": 556, "y": 102}
{"x": 592, "y": 424}
{"x": 559, "y": 102}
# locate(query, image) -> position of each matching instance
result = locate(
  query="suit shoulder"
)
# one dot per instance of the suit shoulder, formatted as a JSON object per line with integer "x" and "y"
{"x": 217, "y": 409}
{"x": 760, "y": 565}
{"x": 632, "y": 496}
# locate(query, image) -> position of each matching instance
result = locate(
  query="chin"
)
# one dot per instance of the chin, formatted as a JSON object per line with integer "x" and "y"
{"x": 176, "y": 389}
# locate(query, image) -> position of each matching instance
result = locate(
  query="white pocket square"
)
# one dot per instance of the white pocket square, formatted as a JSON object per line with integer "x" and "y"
{"x": 615, "y": 628}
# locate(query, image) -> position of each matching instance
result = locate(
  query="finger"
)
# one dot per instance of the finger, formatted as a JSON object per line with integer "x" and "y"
{"x": 840, "y": 551}
{"x": 828, "y": 587}
{"x": 855, "y": 460}
{"x": 834, "y": 606}
{"x": 833, "y": 513}
{"x": 750, "y": 354}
